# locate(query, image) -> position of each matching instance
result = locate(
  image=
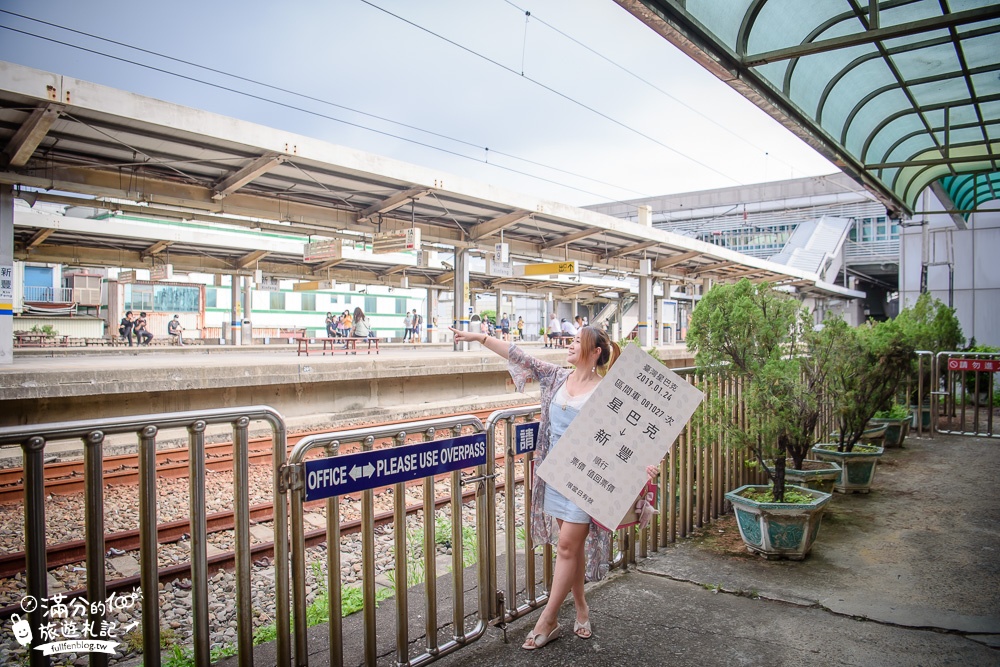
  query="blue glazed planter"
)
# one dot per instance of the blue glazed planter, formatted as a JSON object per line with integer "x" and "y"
{"x": 817, "y": 475}
{"x": 895, "y": 430}
{"x": 858, "y": 468}
{"x": 778, "y": 530}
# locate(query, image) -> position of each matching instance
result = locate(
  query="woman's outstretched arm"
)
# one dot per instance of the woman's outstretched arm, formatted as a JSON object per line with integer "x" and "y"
{"x": 494, "y": 345}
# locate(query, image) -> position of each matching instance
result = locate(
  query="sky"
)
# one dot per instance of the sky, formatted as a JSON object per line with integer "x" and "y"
{"x": 578, "y": 103}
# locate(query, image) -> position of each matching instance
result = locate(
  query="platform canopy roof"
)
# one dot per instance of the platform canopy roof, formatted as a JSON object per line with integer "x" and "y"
{"x": 898, "y": 93}
{"x": 73, "y": 142}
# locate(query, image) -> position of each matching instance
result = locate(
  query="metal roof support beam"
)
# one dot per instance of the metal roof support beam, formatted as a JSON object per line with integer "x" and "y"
{"x": 251, "y": 258}
{"x": 933, "y": 162}
{"x": 576, "y": 290}
{"x": 568, "y": 238}
{"x": 631, "y": 249}
{"x": 39, "y": 238}
{"x": 871, "y": 36}
{"x": 326, "y": 265}
{"x": 493, "y": 226}
{"x": 393, "y": 202}
{"x": 708, "y": 268}
{"x": 948, "y": 204}
{"x": 157, "y": 247}
{"x": 234, "y": 182}
{"x": 22, "y": 145}
{"x": 675, "y": 259}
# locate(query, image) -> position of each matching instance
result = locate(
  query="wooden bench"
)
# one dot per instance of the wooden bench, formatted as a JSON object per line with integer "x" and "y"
{"x": 28, "y": 339}
{"x": 291, "y": 333}
{"x": 350, "y": 344}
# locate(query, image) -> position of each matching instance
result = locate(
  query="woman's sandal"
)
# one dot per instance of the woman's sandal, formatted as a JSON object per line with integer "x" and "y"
{"x": 538, "y": 640}
{"x": 582, "y": 630}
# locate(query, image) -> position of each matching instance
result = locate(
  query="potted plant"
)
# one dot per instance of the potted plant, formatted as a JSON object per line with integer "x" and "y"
{"x": 933, "y": 327}
{"x": 897, "y": 424}
{"x": 868, "y": 366}
{"x": 756, "y": 333}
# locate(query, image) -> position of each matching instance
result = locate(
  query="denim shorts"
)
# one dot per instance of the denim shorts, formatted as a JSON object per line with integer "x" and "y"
{"x": 559, "y": 506}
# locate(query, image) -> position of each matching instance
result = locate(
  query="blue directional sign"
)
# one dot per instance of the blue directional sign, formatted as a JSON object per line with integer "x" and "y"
{"x": 525, "y": 437}
{"x": 350, "y": 473}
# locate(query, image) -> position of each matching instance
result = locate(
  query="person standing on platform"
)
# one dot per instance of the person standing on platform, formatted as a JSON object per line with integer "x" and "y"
{"x": 505, "y": 328}
{"x": 582, "y": 545}
{"x": 407, "y": 326}
{"x": 418, "y": 321}
{"x": 126, "y": 326}
{"x": 346, "y": 323}
{"x": 520, "y": 328}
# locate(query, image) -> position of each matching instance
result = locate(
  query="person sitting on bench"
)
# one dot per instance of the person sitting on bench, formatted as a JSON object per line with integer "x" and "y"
{"x": 361, "y": 328}
{"x": 175, "y": 330}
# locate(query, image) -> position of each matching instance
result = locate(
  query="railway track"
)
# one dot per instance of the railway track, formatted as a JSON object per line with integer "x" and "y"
{"x": 227, "y": 560}
{"x": 67, "y": 477}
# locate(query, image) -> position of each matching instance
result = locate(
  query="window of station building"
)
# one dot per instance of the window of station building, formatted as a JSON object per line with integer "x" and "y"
{"x": 399, "y": 307}
{"x": 277, "y": 300}
{"x": 371, "y": 305}
{"x": 138, "y": 297}
{"x": 308, "y": 301}
{"x": 176, "y": 298}
{"x": 211, "y": 297}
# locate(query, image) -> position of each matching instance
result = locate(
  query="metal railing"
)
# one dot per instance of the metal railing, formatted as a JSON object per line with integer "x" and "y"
{"x": 48, "y": 294}
{"x": 424, "y": 431}
{"x": 93, "y": 432}
{"x": 501, "y": 429}
{"x": 967, "y": 396}
{"x": 871, "y": 252}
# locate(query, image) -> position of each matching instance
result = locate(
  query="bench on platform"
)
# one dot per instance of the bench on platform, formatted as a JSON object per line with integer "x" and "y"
{"x": 349, "y": 343}
{"x": 291, "y": 333}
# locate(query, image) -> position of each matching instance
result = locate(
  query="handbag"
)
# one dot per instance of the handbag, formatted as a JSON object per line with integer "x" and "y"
{"x": 642, "y": 510}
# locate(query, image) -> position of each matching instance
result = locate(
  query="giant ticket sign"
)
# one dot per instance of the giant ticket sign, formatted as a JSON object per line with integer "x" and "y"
{"x": 630, "y": 421}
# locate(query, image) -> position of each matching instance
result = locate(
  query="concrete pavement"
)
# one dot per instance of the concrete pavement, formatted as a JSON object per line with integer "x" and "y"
{"x": 907, "y": 575}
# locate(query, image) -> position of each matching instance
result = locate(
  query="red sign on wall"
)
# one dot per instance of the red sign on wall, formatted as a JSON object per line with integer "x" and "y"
{"x": 981, "y": 365}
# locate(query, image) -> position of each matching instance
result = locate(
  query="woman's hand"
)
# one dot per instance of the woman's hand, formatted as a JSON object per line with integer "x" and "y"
{"x": 652, "y": 471}
{"x": 467, "y": 336}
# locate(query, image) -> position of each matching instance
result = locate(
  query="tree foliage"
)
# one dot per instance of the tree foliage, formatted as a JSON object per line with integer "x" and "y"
{"x": 869, "y": 364}
{"x": 766, "y": 340}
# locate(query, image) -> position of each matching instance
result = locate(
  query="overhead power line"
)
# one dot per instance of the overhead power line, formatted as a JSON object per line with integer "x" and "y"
{"x": 554, "y": 91}
{"x": 486, "y": 150}
{"x": 649, "y": 83}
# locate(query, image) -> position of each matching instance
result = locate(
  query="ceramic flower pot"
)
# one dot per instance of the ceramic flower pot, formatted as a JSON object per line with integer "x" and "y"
{"x": 858, "y": 466}
{"x": 778, "y": 530}
{"x": 816, "y": 475}
{"x": 895, "y": 431}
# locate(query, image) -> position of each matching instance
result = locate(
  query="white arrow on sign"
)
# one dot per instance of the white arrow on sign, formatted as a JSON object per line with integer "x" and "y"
{"x": 358, "y": 471}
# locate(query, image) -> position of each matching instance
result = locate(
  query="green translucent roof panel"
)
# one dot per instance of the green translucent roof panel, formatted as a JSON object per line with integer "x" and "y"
{"x": 898, "y": 93}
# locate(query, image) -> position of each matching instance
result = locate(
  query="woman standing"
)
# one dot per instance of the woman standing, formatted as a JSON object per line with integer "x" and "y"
{"x": 582, "y": 545}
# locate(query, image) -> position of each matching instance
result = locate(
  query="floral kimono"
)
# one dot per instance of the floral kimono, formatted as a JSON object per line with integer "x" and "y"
{"x": 550, "y": 377}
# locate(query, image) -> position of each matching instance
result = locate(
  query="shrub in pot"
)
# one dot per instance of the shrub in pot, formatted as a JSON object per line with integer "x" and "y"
{"x": 897, "y": 422}
{"x": 930, "y": 326}
{"x": 754, "y": 333}
{"x": 869, "y": 363}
